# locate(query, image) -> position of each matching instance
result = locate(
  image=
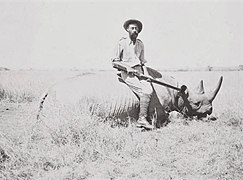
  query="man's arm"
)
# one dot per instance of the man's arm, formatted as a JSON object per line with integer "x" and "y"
{"x": 145, "y": 71}
{"x": 117, "y": 53}
{"x": 141, "y": 57}
{"x": 142, "y": 60}
{"x": 127, "y": 67}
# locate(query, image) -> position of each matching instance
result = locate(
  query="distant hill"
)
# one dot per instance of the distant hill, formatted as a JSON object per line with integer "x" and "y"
{"x": 4, "y": 69}
{"x": 209, "y": 68}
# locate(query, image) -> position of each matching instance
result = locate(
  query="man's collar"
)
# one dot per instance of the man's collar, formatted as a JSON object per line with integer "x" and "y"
{"x": 130, "y": 41}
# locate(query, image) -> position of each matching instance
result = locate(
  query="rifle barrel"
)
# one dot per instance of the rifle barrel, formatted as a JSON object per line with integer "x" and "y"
{"x": 121, "y": 68}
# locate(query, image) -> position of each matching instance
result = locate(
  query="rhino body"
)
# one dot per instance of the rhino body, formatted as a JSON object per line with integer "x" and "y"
{"x": 103, "y": 95}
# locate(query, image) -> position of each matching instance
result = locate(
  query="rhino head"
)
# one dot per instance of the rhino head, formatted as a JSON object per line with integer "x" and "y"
{"x": 198, "y": 103}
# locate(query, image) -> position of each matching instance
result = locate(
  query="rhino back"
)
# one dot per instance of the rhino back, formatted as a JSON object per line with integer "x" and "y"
{"x": 99, "y": 93}
{"x": 103, "y": 95}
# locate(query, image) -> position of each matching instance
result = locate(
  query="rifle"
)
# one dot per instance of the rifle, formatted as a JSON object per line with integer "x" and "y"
{"x": 142, "y": 76}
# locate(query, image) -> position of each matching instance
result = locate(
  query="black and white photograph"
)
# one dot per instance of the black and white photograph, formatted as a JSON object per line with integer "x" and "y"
{"x": 120, "y": 90}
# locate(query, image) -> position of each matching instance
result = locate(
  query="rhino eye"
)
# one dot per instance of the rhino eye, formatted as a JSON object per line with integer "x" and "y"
{"x": 198, "y": 103}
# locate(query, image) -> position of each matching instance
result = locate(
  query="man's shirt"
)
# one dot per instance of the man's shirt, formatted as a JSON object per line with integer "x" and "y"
{"x": 129, "y": 53}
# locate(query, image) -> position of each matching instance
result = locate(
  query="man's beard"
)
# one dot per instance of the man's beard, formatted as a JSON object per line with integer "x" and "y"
{"x": 134, "y": 35}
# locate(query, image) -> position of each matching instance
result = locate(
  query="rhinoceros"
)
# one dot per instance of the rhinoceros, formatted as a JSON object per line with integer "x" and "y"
{"x": 103, "y": 95}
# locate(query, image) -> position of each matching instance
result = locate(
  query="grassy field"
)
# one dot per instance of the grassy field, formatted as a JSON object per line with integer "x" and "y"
{"x": 87, "y": 148}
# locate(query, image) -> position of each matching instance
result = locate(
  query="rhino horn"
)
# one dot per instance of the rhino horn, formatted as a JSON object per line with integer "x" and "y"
{"x": 213, "y": 94}
{"x": 200, "y": 88}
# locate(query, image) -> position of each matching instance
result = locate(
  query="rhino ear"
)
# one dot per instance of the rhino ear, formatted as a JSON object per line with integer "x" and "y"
{"x": 200, "y": 88}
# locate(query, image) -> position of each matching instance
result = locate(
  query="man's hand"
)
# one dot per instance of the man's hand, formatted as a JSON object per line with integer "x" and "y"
{"x": 132, "y": 71}
{"x": 146, "y": 78}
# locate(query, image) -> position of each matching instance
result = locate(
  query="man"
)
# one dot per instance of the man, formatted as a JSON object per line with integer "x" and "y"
{"x": 130, "y": 54}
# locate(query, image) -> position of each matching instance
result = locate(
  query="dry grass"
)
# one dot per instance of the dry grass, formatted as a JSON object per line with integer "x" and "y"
{"x": 85, "y": 147}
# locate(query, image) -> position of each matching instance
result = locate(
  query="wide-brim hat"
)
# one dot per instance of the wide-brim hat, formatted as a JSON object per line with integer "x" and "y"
{"x": 133, "y": 21}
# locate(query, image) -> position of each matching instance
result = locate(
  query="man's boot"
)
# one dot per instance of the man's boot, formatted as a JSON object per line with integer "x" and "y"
{"x": 142, "y": 120}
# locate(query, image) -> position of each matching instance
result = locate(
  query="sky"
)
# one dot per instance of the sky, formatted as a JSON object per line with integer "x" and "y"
{"x": 84, "y": 34}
